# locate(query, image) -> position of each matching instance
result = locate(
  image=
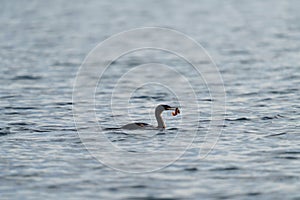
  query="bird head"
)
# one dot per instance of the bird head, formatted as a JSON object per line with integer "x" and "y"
{"x": 160, "y": 108}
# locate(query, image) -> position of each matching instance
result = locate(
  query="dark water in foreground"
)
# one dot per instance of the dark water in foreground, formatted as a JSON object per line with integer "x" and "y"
{"x": 256, "y": 47}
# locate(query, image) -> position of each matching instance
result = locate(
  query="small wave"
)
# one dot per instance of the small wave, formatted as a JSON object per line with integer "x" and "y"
{"x": 20, "y": 124}
{"x": 271, "y": 117}
{"x": 225, "y": 169}
{"x": 12, "y": 113}
{"x": 204, "y": 121}
{"x": 289, "y": 152}
{"x": 277, "y": 134}
{"x": 20, "y": 108}
{"x": 261, "y": 105}
{"x": 267, "y": 118}
{"x": 10, "y": 96}
{"x": 116, "y": 131}
{"x": 191, "y": 169}
{"x": 63, "y": 103}
{"x": 250, "y": 94}
{"x": 138, "y": 186}
{"x": 287, "y": 157}
{"x": 118, "y": 140}
{"x": 288, "y": 91}
{"x": 50, "y": 128}
{"x": 133, "y": 151}
{"x": 238, "y": 52}
{"x": 238, "y": 119}
{"x": 266, "y": 99}
{"x": 253, "y": 194}
{"x": 172, "y": 129}
{"x": 4, "y": 131}
{"x": 26, "y": 77}
{"x": 206, "y": 100}
{"x": 142, "y": 97}
{"x": 53, "y": 186}
{"x": 66, "y": 64}
{"x": 40, "y": 130}
{"x": 161, "y": 133}
{"x": 249, "y": 61}
{"x": 151, "y": 198}
{"x": 109, "y": 129}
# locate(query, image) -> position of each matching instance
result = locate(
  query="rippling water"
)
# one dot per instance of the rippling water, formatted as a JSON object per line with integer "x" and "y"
{"x": 256, "y": 46}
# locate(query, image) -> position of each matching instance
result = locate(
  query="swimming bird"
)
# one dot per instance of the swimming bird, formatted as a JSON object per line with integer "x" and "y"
{"x": 160, "y": 122}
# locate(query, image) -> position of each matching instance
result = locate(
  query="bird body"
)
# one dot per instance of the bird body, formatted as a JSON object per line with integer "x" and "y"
{"x": 160, "y": 122}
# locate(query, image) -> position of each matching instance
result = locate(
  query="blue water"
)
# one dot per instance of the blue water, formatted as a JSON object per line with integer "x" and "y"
{"x": 255, "y": 45}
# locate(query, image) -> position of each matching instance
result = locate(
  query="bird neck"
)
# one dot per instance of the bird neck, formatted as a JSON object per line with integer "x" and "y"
{"x": 160, "y": 121}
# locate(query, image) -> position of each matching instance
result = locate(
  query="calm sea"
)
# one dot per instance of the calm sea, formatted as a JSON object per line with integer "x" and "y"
{"x": 255, "y": 45}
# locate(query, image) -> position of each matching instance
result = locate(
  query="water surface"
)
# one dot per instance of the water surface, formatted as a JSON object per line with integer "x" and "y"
{"x": 256, "y": 47}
